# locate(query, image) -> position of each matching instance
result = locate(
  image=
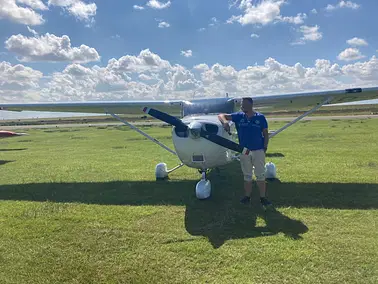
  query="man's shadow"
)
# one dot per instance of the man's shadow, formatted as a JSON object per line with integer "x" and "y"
{"x": 222, "y": 217}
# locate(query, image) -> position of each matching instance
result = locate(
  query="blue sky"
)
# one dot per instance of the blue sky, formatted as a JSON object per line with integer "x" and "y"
{"x": 217, "y": 33}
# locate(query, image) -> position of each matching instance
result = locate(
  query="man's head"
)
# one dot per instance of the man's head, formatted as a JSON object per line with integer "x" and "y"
{"x": 247, "y": 105}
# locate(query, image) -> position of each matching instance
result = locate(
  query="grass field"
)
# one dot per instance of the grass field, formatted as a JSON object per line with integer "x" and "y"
{"x": 82, "y": 206}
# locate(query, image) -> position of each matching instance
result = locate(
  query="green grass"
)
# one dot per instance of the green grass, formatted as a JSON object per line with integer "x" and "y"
{"x": 82, "y": 206}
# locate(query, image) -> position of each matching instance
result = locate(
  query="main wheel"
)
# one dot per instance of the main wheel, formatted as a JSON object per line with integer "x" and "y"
{"x": 161, "y": 171}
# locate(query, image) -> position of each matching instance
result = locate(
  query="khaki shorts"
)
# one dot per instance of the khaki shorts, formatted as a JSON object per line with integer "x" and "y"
{"x": 254, "y": 163}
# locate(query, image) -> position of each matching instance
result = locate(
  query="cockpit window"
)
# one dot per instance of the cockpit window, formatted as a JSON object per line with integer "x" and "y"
{"x": 181, "y": 133}
{"x": 212, "y": 128}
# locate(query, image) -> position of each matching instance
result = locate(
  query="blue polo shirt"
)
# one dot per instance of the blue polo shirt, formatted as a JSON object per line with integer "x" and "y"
{"x": 250, "y": 129}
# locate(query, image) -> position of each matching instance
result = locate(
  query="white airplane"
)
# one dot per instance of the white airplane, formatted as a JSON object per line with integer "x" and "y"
{"x": 198, "y": 137}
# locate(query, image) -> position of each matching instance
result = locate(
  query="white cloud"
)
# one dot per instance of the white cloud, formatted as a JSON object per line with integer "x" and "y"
{"x": 213, "y": 22}
{"x": 186, "y": 53}
{"x": 34, "y": 4}
{"x": 116, "y": 36}
{"x": 49, "y": 48}
{"x": 264, "y": 12}
{"x": 314, "y": 11}
{"x": 298, "y": 19}
{"x": 137, "y": 7}
{"x": 77, "y": 8}
{"x": 32, "y": 31}
{"x": 18, "y": 81}
{"x": 350, "y": 54}
{"x": 163, "y": 25}
{"x": 11, "y": 10}
{"x": 342, "y": 4}
{"x": 22, "y": 15}
{"x": 309, "y": 34}
{"x": 201, "y": 67}
{"x": 145, "y": 61}
{"x": 357, "y": 42}
{"x": 155, "y": 4}
{"x": 82, "y": 11}
{"x": 145, "y": 77}
{"x": 148, "y": 76}
{"x": 363, "y": 71}
{"x": 255, "y": 36}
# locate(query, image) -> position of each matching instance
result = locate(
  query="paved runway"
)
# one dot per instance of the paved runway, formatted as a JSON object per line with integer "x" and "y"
{"x": 343, "y": 117}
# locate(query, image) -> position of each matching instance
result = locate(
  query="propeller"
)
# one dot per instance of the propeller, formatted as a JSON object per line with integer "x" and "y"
{"x": 198, "y": 130}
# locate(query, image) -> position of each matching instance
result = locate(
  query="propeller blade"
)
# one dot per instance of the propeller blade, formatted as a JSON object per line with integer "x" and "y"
{"x": 224, "y": 142}
{"x": 165, "y": 117}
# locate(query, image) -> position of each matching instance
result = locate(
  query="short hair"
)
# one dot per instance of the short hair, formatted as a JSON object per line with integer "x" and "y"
{"x": 248, "y": 99}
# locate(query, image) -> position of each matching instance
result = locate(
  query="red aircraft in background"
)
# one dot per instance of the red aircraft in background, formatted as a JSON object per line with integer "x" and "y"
{"x": 7, "y": 134}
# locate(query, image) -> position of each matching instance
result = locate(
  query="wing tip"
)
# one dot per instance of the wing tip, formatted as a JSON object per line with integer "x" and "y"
{"x": 353, "y": 90}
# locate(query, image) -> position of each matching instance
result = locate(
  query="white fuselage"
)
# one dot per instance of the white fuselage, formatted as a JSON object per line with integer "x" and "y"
{"x": 199, "y": 152}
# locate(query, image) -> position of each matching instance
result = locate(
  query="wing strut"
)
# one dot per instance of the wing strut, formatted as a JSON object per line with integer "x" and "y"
{"x": 300, "y": 117}
{"x": 141, "y": 132}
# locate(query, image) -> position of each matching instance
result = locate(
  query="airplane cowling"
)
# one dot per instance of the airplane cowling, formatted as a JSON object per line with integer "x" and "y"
{"x": 200, "y": 153}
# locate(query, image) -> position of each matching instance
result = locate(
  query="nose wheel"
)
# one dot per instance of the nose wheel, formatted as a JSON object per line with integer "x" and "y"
{"x": 203, "y": 187}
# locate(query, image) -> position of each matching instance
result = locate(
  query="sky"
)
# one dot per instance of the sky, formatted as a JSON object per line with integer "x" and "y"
{"x": 81, "y": 50}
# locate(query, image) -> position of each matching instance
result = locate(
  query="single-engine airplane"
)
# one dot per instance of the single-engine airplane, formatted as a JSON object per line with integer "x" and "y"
{"x": 8, "y": 134}
{"x": 198, "y": 137}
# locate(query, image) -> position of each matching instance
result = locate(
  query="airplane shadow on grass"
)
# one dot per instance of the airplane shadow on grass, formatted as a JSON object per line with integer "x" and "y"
{"x": 11, "y": 150}
{"x": 219, "y": 218}
{"x": 3, "y": 162}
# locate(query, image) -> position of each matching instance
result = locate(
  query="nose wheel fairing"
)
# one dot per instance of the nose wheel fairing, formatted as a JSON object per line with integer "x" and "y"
{"x": 203, "y": 187}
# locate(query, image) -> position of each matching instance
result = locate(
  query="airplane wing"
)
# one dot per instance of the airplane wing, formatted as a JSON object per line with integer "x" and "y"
{"x": 294, "y": 101}
{"x": 308, "y": 100}
{"x": 172, "y": 107}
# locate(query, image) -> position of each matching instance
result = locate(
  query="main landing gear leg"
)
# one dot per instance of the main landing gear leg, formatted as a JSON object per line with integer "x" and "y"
{"x": 161, "y": 171}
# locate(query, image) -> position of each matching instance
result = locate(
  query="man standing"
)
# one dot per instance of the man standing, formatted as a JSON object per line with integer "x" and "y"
{"x": 252, "y": 128}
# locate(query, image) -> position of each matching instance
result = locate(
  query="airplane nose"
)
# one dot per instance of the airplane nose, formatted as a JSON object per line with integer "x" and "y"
{"x": 195, "y": 129}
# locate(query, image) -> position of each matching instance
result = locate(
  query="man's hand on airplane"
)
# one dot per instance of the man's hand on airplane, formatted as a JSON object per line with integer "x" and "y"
{"x": 226, "y": 127}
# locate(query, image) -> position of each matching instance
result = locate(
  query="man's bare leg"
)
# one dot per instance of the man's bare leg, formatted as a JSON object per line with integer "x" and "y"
{"x": 247, "y": 192}
{"x": 262, "y": 187}
{"x": 248, "y": 188}
{"x": 264, "y": 201}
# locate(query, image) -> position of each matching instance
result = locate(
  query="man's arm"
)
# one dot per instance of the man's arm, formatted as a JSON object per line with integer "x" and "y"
{"x": 265, "y": 134}
{"x": 266, "y": 138}
{"x": 224, "y": 118}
